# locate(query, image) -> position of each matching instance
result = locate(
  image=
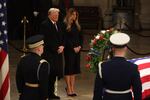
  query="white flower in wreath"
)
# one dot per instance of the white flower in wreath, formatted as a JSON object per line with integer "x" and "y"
{"x": 97, "y": 37}
{"x": 103, "y": 31}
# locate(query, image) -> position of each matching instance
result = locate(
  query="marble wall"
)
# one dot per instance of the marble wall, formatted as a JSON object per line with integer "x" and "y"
{"x": 145, "y": 13}
{"x": 142, "y": 9}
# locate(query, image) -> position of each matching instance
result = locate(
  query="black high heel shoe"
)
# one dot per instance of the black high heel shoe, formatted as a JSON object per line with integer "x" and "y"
{"x": 74, "y": 94}
{"x": 71, "y": 95}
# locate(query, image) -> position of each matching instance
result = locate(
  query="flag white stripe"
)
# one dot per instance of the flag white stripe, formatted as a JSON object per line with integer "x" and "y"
{"x": 145, "y": 86}
{"x": 144, "y": 72}
{"x": 4, "y": 71}
{"x": 142, "y": 61}
{"x": 7, "y": 97}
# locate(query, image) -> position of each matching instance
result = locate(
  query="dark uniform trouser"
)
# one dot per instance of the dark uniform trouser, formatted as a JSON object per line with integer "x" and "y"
{"x": 52, "y": 80}
{"x": 108, "y": 96}
{"x": 30, "y": 93}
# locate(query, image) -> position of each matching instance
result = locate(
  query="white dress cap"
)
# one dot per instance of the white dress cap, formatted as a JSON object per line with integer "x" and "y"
{"x": 119, "y": 39}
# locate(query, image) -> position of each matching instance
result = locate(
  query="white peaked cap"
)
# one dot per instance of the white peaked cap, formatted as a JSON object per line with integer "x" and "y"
{"x": 119, "y": 39}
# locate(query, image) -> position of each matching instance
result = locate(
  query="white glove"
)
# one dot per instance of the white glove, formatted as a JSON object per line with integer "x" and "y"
{"x": 35, "y": 13}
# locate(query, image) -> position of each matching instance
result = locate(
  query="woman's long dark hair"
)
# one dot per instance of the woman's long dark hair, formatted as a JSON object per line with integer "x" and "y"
{"x": 67, "y": 20}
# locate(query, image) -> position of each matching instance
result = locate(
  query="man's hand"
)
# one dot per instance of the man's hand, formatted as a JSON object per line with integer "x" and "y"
{"x": 60, "y": 49}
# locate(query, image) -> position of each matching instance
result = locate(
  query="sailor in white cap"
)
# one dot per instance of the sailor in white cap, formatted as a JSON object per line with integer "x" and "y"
{"x": 119, "y": 39}
{"x": 33, "y": 72}
{"x": 117, "y": 75}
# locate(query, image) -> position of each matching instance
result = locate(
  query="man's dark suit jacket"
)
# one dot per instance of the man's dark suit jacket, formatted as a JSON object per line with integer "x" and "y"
{"x": 53, "y": 39}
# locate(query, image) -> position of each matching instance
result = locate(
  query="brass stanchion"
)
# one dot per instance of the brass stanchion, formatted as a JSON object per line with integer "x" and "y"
{"x": 56, "y": 86}
{"x": 24, "y": 21}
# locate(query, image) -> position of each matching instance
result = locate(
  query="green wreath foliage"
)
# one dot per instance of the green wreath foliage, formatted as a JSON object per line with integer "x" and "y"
{"x": 97, "y": 47}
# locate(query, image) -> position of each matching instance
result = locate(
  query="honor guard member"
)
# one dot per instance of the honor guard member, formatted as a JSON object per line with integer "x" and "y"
{"x": 32, "y": 72}
{"x": 118, "y": 78}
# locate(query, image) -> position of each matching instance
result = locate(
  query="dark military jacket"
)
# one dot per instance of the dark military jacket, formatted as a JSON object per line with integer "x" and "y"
{"x": 27, "y": 72}
{"x": 118, "y": 75}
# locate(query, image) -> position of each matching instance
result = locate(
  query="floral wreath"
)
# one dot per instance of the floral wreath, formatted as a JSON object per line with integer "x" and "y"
{"x": 98, "y": 45}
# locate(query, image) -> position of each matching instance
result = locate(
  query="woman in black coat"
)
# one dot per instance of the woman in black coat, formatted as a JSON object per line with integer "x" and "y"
{"x": 73, "y": 44}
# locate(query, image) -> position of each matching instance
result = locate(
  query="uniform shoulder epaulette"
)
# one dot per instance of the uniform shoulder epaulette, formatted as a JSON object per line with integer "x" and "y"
{"x": 100, "y": 69}
{"x": 43, "y": 60}
{"x": 39, "y": 66}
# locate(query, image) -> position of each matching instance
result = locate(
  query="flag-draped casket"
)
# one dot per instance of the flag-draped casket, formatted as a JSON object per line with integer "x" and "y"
{"x": 144, "y": 69}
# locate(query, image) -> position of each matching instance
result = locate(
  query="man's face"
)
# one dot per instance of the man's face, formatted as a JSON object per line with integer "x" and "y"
{"x": 41, "y": 49}
{"x": 54, "y": 16}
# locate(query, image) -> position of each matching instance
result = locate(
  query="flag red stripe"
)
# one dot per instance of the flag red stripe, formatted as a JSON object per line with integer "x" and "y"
{"x": 4, "y": 88}
{"x": 146, "y": 94}
{"x": 143, "y": 66}
{"x": 2, "y": 57}
{"x": 145, "y": 79}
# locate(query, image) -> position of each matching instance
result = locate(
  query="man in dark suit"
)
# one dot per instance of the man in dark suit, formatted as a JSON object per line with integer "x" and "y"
{"x": 117, "y": 77}
{"x": 54, "y": 46}
{"x": 33, "y": 72}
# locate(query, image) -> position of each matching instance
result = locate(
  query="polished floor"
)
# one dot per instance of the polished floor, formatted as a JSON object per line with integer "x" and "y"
{"x": 85, "y": 80}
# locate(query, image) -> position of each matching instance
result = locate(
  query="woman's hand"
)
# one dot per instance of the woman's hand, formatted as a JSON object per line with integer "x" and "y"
{"x": 77, "y": 49}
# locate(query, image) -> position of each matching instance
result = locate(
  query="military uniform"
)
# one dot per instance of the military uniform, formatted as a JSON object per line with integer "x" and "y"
{"x": 117, "y": 76}
{"x": 32, "y": 76}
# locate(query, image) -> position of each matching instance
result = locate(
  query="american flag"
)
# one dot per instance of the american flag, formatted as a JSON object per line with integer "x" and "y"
{"x": 144, "y": 69}
{"x": 4, "y": 68}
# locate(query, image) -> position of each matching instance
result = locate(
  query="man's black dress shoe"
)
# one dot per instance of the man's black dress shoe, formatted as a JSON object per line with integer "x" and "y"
{"x": 54, "y": 97}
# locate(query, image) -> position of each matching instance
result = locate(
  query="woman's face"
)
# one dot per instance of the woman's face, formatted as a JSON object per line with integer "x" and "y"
{"x": 74, "y": 16}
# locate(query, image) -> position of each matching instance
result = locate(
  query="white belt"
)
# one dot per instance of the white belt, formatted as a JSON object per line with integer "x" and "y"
{"x": 32, "y": 85}
{"x": 117, "y": 92}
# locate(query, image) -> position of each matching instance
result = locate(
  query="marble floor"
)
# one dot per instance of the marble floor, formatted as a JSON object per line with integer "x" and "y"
{"x": 84, "y": 81}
